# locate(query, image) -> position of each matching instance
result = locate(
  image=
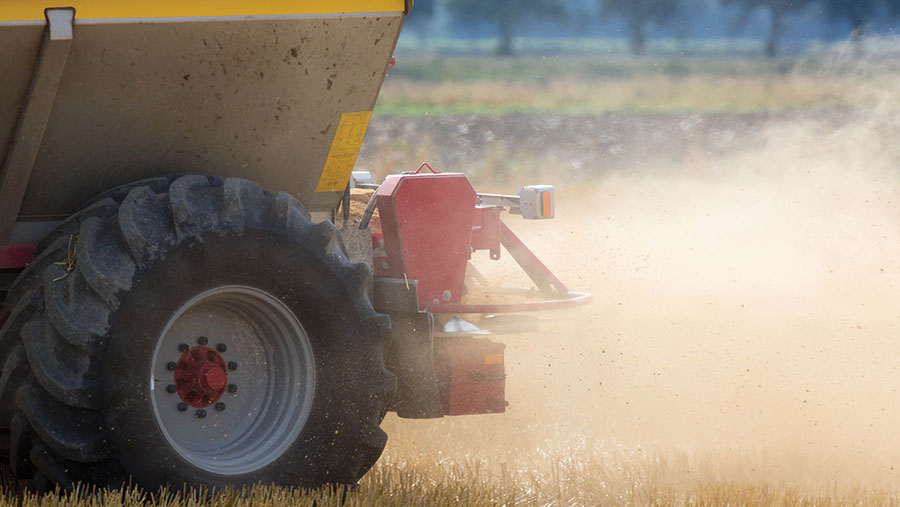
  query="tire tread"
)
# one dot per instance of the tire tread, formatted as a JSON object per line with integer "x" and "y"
{"x": 53, "y": 341}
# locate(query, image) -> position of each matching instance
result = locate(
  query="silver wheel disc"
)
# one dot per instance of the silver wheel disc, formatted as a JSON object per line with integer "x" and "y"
{"x": 270, "y": 378}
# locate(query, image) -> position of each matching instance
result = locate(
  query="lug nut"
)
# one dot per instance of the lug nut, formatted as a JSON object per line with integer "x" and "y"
{"x": 221, "y": 347}
{"x": 182, "y": 406}
{"x": 171, "y": 366}
{"x": 232, "y": 365}
{"x": 232, "y": 388}
{"x": 220, "y": 406}
{"x": 170, "y": 388}
{"x": 183, "y": 348}
{"x": 201, "y": 413}
{"x": 202, "y": 340}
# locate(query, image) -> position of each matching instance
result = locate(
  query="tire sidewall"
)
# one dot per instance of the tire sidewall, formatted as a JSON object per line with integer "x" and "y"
{"x": 308, "y": 286}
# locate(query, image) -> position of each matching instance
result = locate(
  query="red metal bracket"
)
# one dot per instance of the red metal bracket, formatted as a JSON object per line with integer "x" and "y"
{"x": 16, "y": 256}
{"x": 486, "y": 230}
{"x": 559, "y": 297}
{"x": 424, "y": 165}
{"x": 545, "y": 280}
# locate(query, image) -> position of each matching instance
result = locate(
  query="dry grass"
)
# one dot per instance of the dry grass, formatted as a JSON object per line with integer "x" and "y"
{"x": 659, "y": 93}
{"x": 574, "y": 476}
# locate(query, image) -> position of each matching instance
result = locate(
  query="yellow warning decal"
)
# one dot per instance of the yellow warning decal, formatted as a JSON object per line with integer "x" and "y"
{"x": 344, "y": 149}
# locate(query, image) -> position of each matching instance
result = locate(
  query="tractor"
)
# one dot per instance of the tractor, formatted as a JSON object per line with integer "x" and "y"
{"x": 195, "y": 286}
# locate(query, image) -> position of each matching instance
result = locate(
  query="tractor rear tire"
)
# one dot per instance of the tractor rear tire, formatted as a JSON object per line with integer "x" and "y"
{"x": 197, "y": 331}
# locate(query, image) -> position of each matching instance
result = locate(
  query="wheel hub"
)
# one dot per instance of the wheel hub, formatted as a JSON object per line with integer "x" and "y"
{"x": 200, "y": 376}
{"x": 233, "y": 379}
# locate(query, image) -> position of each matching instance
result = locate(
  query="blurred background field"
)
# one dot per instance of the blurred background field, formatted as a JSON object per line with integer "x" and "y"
{"x": 581, "y": 83}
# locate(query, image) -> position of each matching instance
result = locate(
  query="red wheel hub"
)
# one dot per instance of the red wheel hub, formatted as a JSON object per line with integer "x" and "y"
{"x": 200, "y": 376}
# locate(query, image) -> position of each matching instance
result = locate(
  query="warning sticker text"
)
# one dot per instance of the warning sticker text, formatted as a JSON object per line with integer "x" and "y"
{"x": 344, "y": 149}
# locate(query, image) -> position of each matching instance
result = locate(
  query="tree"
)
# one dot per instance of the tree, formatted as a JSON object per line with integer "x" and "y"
{"x": 778, "y": 11}
{"x": 638, "y": 14}
{"x": 858, "y": 13}
{"x": 421, "y": 16}
{"x": 507, "y": 15}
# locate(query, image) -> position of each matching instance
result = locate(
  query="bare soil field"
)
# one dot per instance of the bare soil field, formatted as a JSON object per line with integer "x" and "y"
{"x": 501, "y": 149}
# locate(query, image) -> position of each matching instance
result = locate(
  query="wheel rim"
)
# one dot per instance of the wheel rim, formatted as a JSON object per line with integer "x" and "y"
{"x": 232, "y": 380}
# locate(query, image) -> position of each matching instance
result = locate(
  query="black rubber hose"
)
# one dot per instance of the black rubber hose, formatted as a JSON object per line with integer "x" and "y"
{"x": 370, "y": 209}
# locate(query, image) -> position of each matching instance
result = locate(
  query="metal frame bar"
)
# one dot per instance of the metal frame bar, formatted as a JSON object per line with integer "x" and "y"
{"x": 177, "y": 9}
{"x": 189, "y": 19}
{"x": 25, "y": 144}
{"x": 540, "y": 274}
{"x": 506, "y": 201}
{"x": 570, "y": 300}
{"x": 559, "y": 297}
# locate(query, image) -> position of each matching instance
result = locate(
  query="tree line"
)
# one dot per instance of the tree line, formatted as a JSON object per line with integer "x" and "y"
{"x": 509, "y": 18}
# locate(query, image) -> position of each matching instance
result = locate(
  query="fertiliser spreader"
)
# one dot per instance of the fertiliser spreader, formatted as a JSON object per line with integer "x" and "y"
{"x": 165, "y": 319}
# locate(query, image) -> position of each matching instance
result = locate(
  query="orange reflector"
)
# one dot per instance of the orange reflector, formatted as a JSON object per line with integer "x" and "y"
{"x": 493, "y": 359}
{"x": 545, "y": 209}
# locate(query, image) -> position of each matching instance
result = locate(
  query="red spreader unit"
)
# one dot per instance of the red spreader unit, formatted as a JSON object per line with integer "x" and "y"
{"x": 430, "y": 225}
{"x": 427, "y": 220}
{"x": 470, "y": 373}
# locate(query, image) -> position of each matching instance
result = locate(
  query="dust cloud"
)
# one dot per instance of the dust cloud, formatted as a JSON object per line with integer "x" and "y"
{"x": 745, "y": 325}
